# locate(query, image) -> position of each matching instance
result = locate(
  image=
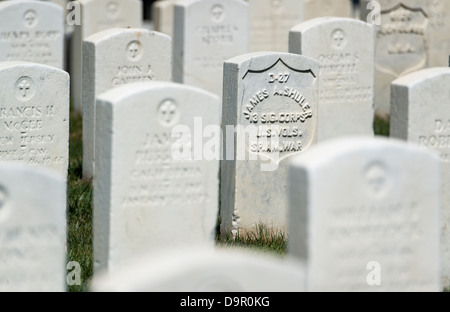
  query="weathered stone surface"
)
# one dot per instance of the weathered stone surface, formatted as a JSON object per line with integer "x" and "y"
{"x": 34, "y": 115}
{"x": 420, "y": 106}
{"x": 145, "y": 196}
{"x": 365, "y": 216}
{"x": 32, "y": 230}
{"x": 207, "y": 33}
{"x": 115, "y": 57}
{"x": 346, "y": 75}
{"x": 270, "y": 110}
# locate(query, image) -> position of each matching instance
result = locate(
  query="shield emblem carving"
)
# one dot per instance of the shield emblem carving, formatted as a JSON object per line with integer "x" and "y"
{"x": 401, "y": 44}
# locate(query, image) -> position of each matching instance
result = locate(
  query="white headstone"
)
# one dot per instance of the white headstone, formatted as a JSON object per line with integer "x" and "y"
{"x": 413, "y": 34}
{"x": 420, "y": 114}
{"x": 115, "y": 57}
{"x": 32, "y": 31}
{"x": 206, "y": 33}
{"x": 270, "y": 107}
{"x": 144, "y": 197}
{"x": 162, "y": 16}
{"x": 438, "y": 15}
{"x": 324, "y": 8}
{"x": 345, "y": 50}
{"x": 270, "y": 22}
{"x": 365, "y": 214}
{"x": 34, "y": 115}
{"x": 32, "y": 230}
{"x": 98, "y": 15}
{"x": 200, "y": 270}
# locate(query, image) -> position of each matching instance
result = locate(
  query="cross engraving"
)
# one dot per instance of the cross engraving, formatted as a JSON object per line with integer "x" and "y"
{"x": 133, "y": 49}
{"x": 168, "y": 111}
{"x": 24, "y": 86}
{"x": 338, "y": 38}
{"x": 30, "y": 18}
{"x": 112, "y": 8}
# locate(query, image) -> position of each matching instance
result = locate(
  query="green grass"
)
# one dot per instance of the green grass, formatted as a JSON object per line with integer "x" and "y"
{"x": 263, "y": 239}
{"x": 79, "y": 238}
{"x": 381, "y": 126}
{"x": 79, "y": 233}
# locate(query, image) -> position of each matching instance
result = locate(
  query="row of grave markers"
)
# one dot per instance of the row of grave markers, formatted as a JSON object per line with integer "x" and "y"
{"x": 384, "y": 199}
{"x": 135, "y": 176}
{"x": 411, "y": 35}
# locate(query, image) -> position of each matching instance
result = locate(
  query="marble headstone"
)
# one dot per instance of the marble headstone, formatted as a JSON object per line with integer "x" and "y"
{"x": 32, "y": 230}
{"x": 32, "y": 31}
{"x": 270, "y": 22}
{"x": 420, "y": 114}
{"x": 34, "y": 115}
{"x": 365, "y": 216}
{"x": 162, "y": 16}
{"x": 200, "y": 270}
{"x": 346, "y": 74}
{"x": 98, "y": 15}
{"x": 269, "y": 114}
{"x": 324, "y": 8}
{"x": 146, "y": 197}
{"x": 413, "y": 35}
{"x": 115, "y": 57}
{"x": 206, "y": 33}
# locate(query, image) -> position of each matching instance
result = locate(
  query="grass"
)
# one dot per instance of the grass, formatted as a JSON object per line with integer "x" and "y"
{"x": 79, "y": 233}
{"x": 79, "y": 238}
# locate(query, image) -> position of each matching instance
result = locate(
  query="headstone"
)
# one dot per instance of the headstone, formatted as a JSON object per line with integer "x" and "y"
{"x": 412, "y": 35}
{"x": 332, "y": 8}
{"x": 420, "y": 111}
{"x": 438, "y": 14}
{"x": 32, "y": 31}
{"x": 145, "y": 196}
{"x": 200, "y": 270}
{"x": 270, "y": 22}
{"x": 34, "y": 115}
{"x": 346, "y": 73}
{"x": 115, "y": 57}
{"x": 206, "y": 33}
{"x": 439, "y": 46}
{"x": 98, "y": 15}
{"x": 270, "y": 107}
{"x": 162, "y": 16}
{"x": 32, "y": 230}
{"x": 364, "y": 216}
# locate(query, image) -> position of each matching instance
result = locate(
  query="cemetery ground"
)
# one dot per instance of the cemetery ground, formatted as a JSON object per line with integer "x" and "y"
{"x": 80, "y": 214}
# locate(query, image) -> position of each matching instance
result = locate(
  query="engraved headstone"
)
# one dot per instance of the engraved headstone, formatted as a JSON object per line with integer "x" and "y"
{"x": 34, "y": 115}
{"x": 115, "y": 57}
{"x": 365, "y": 214}
{"x": 32, "y": 230}
{"x": 145, "y": 196}
{"x": 345, "y": 50}
{"x": 200, "y": 270}
{"x": 98, "y": 15}
{"x": 413, "y": 34}
{"x": 206, "y": 33}
{"x": 420, "y": 113}
{"x": 270, "y": 107}
{"x": 438, "y": 14}
{"x": 32, "y": 31}
{"x": 323, "y": 8}
{"x": 270, "y": 22}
